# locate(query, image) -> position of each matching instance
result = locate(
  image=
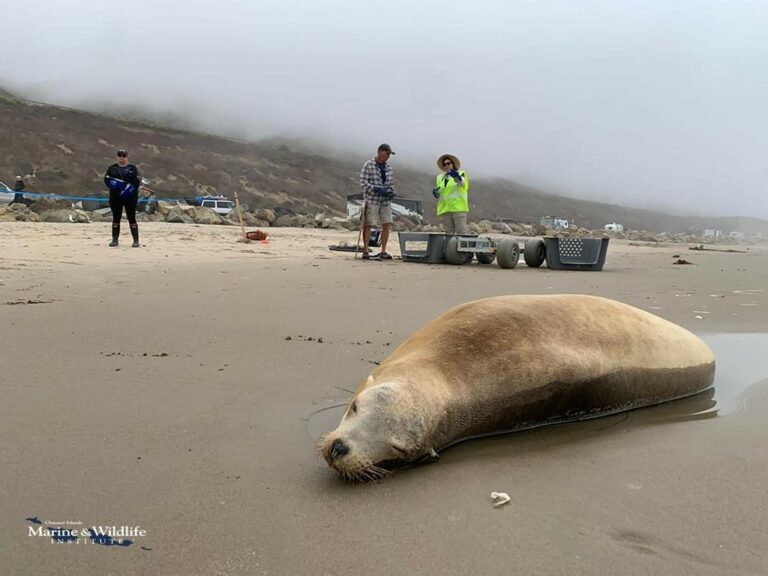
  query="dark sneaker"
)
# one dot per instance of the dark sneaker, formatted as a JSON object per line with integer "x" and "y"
{"x": 136, "y": 244}
{"x": 384, "y": 256}
{"x": 114, "y": 242}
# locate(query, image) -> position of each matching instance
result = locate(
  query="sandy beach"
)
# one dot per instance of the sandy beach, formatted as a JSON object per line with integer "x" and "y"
{"x": 181, "y": 388}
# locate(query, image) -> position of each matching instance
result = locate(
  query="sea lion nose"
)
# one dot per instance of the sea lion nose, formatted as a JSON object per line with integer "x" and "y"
{"x": 338, "y": 449}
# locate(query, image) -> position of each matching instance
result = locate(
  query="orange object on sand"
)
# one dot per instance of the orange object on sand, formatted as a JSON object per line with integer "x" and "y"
{"x": 256, "y": 235}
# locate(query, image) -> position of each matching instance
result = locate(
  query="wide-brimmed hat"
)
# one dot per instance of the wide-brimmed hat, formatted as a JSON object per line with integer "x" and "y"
{"x": 454, "y": 159}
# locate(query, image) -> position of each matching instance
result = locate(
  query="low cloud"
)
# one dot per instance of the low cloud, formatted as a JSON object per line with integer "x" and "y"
{"x": 645, "y": 104}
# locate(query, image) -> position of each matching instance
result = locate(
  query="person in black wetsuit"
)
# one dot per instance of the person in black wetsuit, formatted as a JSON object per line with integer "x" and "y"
{"x": 18, "y": 188}
{"x": 123, "y": 181}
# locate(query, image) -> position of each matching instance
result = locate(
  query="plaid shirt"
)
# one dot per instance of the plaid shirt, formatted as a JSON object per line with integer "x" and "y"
{"x": 370, "y": 176}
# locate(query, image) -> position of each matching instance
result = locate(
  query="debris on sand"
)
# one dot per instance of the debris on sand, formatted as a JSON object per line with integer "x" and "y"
{"x": 499, "y": 498}
{"x": 702, "y": 248}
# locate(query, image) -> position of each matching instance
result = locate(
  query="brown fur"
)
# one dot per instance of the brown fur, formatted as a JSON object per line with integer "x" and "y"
{"x": 513, "y": 362}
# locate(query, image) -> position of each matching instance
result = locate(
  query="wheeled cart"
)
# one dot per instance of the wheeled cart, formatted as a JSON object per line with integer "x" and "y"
{"x": 559, "y": 253}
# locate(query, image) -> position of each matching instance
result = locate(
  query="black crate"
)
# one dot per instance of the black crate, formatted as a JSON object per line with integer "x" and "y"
{"x": 576, "y": 253}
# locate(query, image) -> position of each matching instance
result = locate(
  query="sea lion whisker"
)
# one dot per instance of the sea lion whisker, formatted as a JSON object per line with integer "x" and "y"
{"x": 382, "y": 472}
{"x": 372, "y": 475}
{"x": 359, "y": 477}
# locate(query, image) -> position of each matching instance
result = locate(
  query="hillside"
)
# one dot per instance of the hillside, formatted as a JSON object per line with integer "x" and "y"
{"x": 68, "y": 150}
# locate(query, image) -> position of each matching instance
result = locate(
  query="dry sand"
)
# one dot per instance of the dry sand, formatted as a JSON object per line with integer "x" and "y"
{"x": 157, "y": 387}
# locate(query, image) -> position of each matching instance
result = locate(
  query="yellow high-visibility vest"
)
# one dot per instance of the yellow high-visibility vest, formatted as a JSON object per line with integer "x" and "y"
{"x": 453, "y": 196}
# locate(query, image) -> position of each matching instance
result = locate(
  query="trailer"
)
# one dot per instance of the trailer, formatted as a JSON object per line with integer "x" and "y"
{"x": 558, "y": 252}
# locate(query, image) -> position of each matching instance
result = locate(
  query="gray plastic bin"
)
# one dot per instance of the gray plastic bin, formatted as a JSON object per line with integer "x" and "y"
{"x": 425, "y": 246}
{"x": 422, "y": 247}
{"x": 576, "y": 253}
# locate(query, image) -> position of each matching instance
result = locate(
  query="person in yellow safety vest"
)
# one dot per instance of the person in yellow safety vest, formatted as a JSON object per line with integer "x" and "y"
{"x": 452, "y": 194}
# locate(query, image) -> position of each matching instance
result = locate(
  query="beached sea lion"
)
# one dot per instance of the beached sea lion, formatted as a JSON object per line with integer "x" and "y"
{"x": 510, "y": 363}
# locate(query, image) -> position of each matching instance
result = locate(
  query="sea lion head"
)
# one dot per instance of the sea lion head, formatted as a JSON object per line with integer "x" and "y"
{"x": 381, "y": 428}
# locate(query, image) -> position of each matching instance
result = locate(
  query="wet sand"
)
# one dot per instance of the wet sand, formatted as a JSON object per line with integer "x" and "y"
{"x": 176, "y": 387}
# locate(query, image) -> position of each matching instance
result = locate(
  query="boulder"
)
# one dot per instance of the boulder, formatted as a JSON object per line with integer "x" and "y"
{"x": 98, "y": 203}
{"x": 206, "y": 216}
{"x": 480, "y": 228}
{"x": 177, "y": 215}
{"x": 266, "y": 214}
{"x": 403, "y": 223}
{"x": 338, "y": 223}
{"x": 101, "y": 215}
{"x": 16, "y": 213}
{"x": 42, "y": 204}
{"x": 283, "y": 211}
{"x": 249, "y": 219}
{"x": 502, "y": 227}
{"x": 64, "y": 215}
{"x": 20, "y": 213}
{"x": 400, "y": 226}
{"x": 163, "y": 208}
{"x": 346, "y": 223}
{"x": 485, "y": 226}
{"x": 289, "y": 221}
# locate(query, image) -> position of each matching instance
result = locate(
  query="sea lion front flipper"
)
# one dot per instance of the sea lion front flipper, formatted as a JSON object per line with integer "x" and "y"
{"x": 429, "y": 456}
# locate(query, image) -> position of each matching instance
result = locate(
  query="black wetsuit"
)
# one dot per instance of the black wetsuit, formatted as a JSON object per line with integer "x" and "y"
{"x": 129, "y": 173}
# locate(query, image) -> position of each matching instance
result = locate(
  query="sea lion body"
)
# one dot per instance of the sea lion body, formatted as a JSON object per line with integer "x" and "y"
{"x": 509, "y": 363}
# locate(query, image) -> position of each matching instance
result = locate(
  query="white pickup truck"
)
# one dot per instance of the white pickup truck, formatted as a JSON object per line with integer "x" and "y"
{"x": 218, "y": 204}
{"x": 6, "y": 194}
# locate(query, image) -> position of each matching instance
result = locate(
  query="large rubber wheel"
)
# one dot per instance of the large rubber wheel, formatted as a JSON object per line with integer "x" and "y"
{"x": 507, "y": 253}
{"x": 453, "y": 255}
{"x": 485, "y": 257}
{"x": 535, "y": 253}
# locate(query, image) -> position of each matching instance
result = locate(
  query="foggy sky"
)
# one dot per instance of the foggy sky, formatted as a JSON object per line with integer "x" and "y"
{"x": 658, "y": 104}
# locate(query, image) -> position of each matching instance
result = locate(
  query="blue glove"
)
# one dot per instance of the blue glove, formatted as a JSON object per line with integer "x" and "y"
{"x": 127, "y": 191}
{"x": 436, "y": 193}
{"x": 454, "y": 173}
{"x": 389, "y": 193}
{"x": 379, "y": 189}
{"x": 115, "y": 184}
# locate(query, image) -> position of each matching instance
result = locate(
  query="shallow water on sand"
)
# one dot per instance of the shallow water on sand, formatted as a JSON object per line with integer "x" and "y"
{"x": 742, "y": 364}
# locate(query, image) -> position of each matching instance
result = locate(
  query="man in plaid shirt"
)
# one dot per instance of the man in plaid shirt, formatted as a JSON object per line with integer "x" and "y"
{"x": 377, "y": 181}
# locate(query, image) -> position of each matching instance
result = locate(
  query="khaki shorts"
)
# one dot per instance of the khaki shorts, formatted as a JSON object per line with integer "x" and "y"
{"x": 378, "y": 214}
{"x": 454, "y": 222}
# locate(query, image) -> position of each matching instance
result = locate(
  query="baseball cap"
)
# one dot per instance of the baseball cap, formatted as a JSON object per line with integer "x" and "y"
{"x": 122, "y": 152}
{"x": 386, "y": 148}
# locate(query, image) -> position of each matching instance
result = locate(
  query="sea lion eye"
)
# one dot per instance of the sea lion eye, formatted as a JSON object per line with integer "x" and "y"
{"x": 354, "y": 407}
